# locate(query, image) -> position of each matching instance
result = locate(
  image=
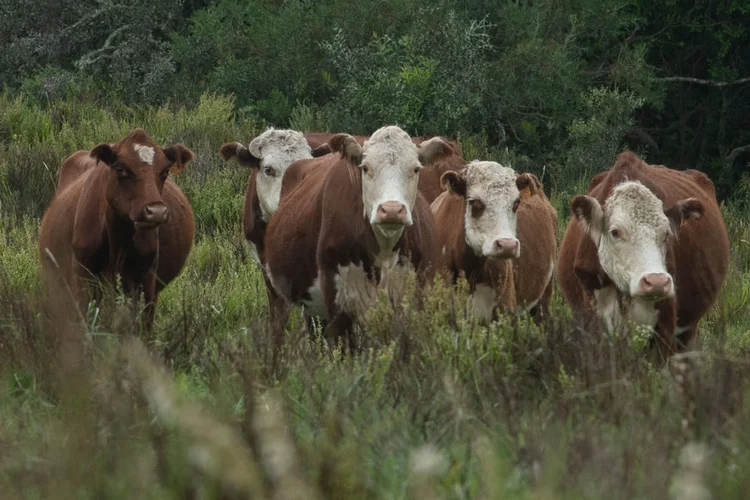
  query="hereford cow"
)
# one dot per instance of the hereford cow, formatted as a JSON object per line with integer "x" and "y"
{"x": 647, "y": 245}
{"x": 356, "y": 226}
{"x": 268, "y": 156}
{"x": 481, "y": 216}
{"x": 117, "y": 212}
{"x": 533, "y": 271}
{"x": 429, "y": 179}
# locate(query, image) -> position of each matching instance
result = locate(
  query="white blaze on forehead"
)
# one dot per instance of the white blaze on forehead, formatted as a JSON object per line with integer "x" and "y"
{"x": 145, "y": 153}
{"x": 276, "y": 149}
{"x": 639, "y": 215}
{"x": 391, "y": 159}
{"x": 495, "y": 187}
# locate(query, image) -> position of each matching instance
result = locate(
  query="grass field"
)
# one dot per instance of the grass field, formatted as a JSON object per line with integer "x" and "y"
{"x": 434, "y": 406}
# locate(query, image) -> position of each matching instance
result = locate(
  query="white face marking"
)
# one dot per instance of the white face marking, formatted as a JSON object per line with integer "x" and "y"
{"x": 493, "y": 187}
{"x": 483, "y": 302}
{"x": 392, "y": 163}
{"x": 145, "y": 153}
{"x": 276, "y": 149}
{"x": 315, "y": 306}
{"x": 633, "y": 241}
{"x": 617, "y": 310}
{"x": 356, "y": 294}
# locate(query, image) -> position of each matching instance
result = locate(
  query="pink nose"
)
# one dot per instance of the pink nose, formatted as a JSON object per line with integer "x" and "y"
{"x": 391, "y": 212}
{"x": 155, "y": 214}
{"x": 655, "y": 284}
{"x": 505, "y": 247}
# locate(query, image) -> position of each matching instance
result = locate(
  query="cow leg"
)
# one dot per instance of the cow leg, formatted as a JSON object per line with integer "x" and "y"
{"x": 339, "y": 324}
{"x": 278, "y": 309}
{"x": 540, "y": 311}
{"x": 685, "y": 337}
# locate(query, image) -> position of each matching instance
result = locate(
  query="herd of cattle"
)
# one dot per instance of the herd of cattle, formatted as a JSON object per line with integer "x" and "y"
{"x": 335, "y": 219}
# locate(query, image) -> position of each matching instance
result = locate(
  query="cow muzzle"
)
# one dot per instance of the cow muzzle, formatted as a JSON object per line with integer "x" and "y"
{"x": 392, "y": 213}
{"x": 505, "y": 248}
{"x": 152, "y": 215}
{"x": 655, "y": 286}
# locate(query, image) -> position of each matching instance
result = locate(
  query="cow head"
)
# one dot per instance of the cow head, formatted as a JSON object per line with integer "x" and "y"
{"x": 270, "y": 153}
{"x": 632, "y": 233}
{"x": 389, "y": 165}
{"x": 138, "y": 169}
{"x": 492, "y": 194}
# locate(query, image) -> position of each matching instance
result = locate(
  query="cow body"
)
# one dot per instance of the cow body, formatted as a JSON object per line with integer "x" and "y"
{"x": 269, "y": 157}
{"x": 533, "y": 271}
{"x": 647, "y": 245}
{"x": 117, "y": 213}
{"x": 353, "y": 228}
{"x": 479, "y": 219}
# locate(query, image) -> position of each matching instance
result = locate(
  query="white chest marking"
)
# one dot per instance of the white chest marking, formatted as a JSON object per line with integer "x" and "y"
{"x": 315, "y": 306}
{"x": 616, "y": 315}
{"x": 483, "y": 302}
{"x": 145, "y": 153}
{"x": 356, "y": 294}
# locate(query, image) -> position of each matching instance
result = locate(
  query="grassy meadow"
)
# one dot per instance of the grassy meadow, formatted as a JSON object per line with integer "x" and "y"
{"x": 434, "y": 405}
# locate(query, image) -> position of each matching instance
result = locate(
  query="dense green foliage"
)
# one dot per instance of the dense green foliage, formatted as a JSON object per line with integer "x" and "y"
{"x": 545, "y": 79}
{"x": 434, "y": 405}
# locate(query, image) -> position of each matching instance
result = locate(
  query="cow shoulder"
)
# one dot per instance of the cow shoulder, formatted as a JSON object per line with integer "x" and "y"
{"x": 89, "y": 223}
{"x": 72, "y": 168}
{"x": 703, "y": 181}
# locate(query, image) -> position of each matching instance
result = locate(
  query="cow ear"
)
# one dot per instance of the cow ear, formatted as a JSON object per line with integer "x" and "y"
{"x": 433, "y": 150}
{"x": 104, "y": 153}
{"x": 348, "y": 147}
{"x": 321, "y": 150}
{"x": 454, "y": 182}
{"x": 179, "y": 156}
{"x": 529, "y": 182}
{"x": 236, "y": 150}
{"x": 679, "y": 213}
{"x": 589, "y": 213}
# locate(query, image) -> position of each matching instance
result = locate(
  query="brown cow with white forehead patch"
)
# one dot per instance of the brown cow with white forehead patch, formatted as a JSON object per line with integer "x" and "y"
{"x": 117, "y": 212}
{"x": 354, "y": 227}
{"x": 647, "y": 245}
{"x": 479, "y": 219}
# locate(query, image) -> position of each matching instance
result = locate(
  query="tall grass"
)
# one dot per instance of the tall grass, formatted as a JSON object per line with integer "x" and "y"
{"x": 433, "y": 405}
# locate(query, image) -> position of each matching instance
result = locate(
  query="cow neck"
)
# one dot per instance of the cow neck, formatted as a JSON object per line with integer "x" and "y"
{"x": 131, "y": 248}
{"x": 255, "y": 227}
{"x": 469, "y": 262}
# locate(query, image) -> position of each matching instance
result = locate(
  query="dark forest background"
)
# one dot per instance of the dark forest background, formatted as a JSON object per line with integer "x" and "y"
{"x": 561, "y": 84}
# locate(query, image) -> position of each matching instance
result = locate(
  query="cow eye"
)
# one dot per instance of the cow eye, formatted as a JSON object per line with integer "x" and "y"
{"x": 417, "y": 169}
{"x": 516, "y": 204}
{"x": 477, "y": 207}
{"x": 616, "y": 233}
{"x": 364, "y": 168}
{"x": 121, "y": 171}
{"x": 270, "y": 172}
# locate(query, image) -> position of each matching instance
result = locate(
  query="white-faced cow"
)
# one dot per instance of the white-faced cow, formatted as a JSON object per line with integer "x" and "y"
{"x": 270, "y": 156}
{"x": 478, "y": 219}
{"x": 646, "y": 245}
{"x": 357, "y": 226}
{"x": 429, "y": 178}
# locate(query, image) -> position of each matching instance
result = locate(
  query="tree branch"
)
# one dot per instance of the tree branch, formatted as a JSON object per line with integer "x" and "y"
{"x": 736, "y": 152}
{"x": 700, "y": 81}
